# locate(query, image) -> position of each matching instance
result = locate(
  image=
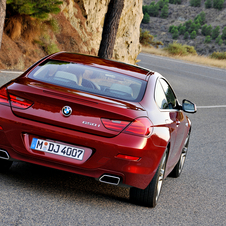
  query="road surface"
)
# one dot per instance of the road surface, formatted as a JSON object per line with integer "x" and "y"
{"x": 35, "y": 195}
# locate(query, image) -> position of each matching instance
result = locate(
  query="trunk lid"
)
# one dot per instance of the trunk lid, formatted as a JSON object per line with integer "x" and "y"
{"x": 87, "y": 109}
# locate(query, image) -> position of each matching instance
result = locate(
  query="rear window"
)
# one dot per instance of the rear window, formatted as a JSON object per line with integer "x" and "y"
{"x": 90, "y": 79}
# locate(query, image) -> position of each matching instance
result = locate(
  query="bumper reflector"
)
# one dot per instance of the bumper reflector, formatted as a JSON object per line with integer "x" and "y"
{"x": 128, "y": 157}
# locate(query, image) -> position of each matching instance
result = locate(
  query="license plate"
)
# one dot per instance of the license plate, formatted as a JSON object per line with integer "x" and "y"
{"x": 57, "y": 149}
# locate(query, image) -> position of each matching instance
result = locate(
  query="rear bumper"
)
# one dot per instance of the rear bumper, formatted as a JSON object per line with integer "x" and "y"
{"x": 103, "y": 159}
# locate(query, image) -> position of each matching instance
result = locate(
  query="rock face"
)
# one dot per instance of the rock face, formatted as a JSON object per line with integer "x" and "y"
{"x": 89, "y": 26}
{"x": 80, "y": 30}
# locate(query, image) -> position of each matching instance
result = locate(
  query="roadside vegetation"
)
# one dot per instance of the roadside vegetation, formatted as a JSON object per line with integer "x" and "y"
{"x": 191, "y": 28}
{"x": 32, "y": 21}
{"x": 182, "y": 52}
{"x": 161, "y": 8}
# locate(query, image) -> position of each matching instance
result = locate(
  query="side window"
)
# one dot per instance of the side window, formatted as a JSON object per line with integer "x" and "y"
{"x": 160, "y": 96}
{"x": 170, "y": 96}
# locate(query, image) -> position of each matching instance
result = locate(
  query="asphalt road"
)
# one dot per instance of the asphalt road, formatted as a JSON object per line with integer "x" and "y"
{"x": 35, "y": 195}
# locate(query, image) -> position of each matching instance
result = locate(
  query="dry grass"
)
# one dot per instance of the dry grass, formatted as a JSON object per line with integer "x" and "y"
{"x": 23, "y": 26}
{"x": 203, "y": 60}
{"x": 14, "y": 27}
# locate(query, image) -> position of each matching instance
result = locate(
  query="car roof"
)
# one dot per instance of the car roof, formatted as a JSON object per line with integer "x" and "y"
{"x": 111, "y": 65}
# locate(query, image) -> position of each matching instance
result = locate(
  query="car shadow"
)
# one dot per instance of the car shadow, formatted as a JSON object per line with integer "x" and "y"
{"x": 63, "y": 184}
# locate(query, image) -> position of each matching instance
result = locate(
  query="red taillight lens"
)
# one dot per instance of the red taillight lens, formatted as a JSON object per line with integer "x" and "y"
{"x": 114, "y": 125}
{"x": 15, "y": 101}
{"x": 19, "y": 102}
{"x": 4, "y": 96}
{"x": 140, "y": 127}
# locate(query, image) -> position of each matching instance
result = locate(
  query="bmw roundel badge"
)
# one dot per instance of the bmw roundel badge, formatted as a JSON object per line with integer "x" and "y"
{"x": 66, "y": 110}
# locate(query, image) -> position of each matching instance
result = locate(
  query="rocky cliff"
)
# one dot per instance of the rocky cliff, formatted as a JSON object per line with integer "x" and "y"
{"x": 80, "y": 30}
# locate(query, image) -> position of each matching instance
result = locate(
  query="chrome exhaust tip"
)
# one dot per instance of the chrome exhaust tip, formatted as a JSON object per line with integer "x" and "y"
{"x": 109, "y": 179}
{"x": 4, "y": 154}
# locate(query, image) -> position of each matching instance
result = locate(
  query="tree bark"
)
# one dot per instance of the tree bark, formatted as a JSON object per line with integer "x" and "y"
{"x": 2, "y": 18}
{"x": 111, "y": 23}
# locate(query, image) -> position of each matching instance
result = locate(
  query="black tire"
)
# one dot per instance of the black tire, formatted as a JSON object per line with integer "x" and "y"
{"x": 176, "y": 172}
{"x": 149, "y": 196}
{"x": 5, "y": 165}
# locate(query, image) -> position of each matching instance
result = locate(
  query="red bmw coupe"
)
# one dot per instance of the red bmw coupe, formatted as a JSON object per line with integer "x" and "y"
{"x": 118, "y": 123}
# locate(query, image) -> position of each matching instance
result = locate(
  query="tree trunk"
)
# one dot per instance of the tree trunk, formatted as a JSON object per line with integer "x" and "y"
{"x": 110, "y": 28}
{"x": 2, "y": 18}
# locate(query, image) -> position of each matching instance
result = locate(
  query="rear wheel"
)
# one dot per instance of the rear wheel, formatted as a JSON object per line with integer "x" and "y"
{"x": 180, "y": 164}
{"x": 149, "y": 196}
{"x": 5, "y": 165}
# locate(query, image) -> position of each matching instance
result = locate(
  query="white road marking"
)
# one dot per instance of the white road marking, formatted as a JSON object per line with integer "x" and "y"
{"x": 12, "y": 72}
{"x": 216, "y": 106}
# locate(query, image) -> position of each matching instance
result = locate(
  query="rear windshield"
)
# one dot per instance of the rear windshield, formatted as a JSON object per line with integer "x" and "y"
{"x": 90, "y": 79}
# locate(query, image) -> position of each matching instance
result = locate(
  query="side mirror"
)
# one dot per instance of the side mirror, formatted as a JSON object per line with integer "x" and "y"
{"x": 188, "y": 106}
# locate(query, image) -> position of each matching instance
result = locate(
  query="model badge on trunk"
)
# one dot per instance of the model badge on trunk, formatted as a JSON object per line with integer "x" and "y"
{"x": 66, "y": 110}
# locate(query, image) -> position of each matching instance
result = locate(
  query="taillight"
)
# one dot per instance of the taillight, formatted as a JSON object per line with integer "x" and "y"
{"x": 139, "y": 127}
{"x": 19, "y": 102}
{"x": 114, "y": 125}
{"x": 15, "y": 101}
{"x": 4, "y": 96}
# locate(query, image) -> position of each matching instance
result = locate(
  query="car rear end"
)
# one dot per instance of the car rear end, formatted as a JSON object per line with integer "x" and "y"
{"x": 81, "y": 117}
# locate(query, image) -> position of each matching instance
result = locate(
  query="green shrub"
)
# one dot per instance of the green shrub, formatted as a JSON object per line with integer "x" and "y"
{"x": 208, "y": 4}
{"x": 171, "y": 28}
{"x": 194, "y": 27}
{"x": 208, "y": 39}
{"x": 175, "y": 34}
{"x": 38, "y": 9}
{"x": 175, "y": 1}
{"x": 174, "y": 29}
{"x": 161, "y": 4}
{"x": 179, "y": 49}
{"x": 223, "y": 36}
{"x": 153, "y": 10}
{"x": 218, "y": 4}
{"x": 188, "y": 24}
{"x": 186, "y": 35}
{"x": 219, "y": 40}
{"x": 182, "y": 30}
{"x": 146, "y": 18}
{"x": 193, "y": 35}
{"x": 164, "y": 12}
{"x": 216, "y": 32}
{"x": 145, "y": 9}
{"x": 218, "y": 55}
{"x": 200, "y": 18}
{"x": 207, "y": 30}
{"x": 195, "y": 3}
